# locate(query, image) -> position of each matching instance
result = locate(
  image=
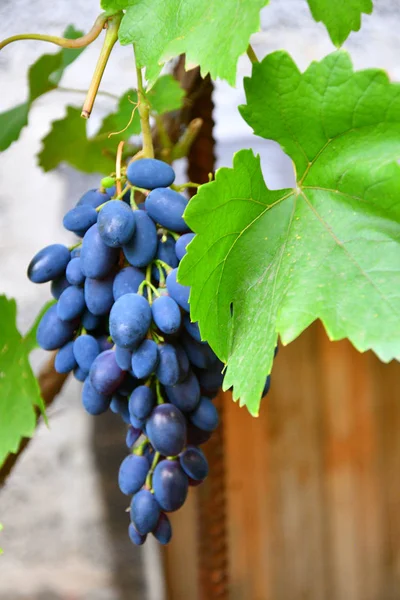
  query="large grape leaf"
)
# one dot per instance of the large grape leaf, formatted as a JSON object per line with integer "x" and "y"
{"x": 340, "y": 18}
{"x": 19, "y": 389}
{"x": 266, "y": 263}
{"x": 68, "y": 141}
{"x": 166, "y": 95}
{"x": 212, "y": 34}
{"x": 113, "y": 5}
{"x": 43, "y": 76}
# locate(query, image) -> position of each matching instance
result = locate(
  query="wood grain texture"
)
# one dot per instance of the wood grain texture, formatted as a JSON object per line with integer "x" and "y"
{"x": 313, "y": 484}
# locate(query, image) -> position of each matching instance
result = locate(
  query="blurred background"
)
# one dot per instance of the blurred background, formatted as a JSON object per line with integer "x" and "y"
{"x": 307, "y": 496}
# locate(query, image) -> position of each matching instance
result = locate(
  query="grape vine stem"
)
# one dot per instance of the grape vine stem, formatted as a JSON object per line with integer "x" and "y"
{"x": 144, "y": 112}
{"x": 251, "y": 54}
{"x": 80, "y": 42}
{"x": 118, "y": 167}
{"x": 109, "y": 41}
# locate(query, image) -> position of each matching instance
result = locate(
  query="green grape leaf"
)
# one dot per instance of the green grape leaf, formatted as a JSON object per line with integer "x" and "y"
{"x": 43, "y": 76}
{"x": 112, "y": 6}
{"x": 270, "y": 262}
{"x": 340, "y": 18}
{"x": 166, "y": 95}
{"x": 19, "y": 389}
{"x": 211, "y": 34}
{"x": 68, "y": 142}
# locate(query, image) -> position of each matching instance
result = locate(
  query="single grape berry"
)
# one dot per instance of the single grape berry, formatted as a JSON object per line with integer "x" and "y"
{"x": 116, "y": 223}
{"x": 49, "y": 263}
{"x": 166, "y": 430}
{"x": 150, "y": 173}
{"x": 194, "y": 463}
{"x": 170, "y": 485}
{"x": 145, "y": 511}
{"x": 166, "y": 207}
{"x": 132, "y": 474}
{"x": 130, "y": 319}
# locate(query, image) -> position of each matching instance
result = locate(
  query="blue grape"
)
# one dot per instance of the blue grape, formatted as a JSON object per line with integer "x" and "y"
{"x": 163, "y": 530}
{"x": 127, "y": 281}
{"x": 195, "y": 435}
{"x": 183, "y": 361}
{"x": 142, "y": 247}
{"x": 170, "y": 485}
{"x": 166, "y": 253}
{"x": 132, "y": 435}
{"x": 166, "y": 207}
{"x": 136, "y": 423}
{"x": 74, "y": 272}
{"x": 80, "y": 374}
{"x": 86, "y": 348}
{"x": 185, "y": 395}
{"x": 123, "y": 356}
{"x": 167, "y": 370}
{"x": 166, "y": 314}
{"x": 132, "y": 474}
{"x": 145, "y": 511}
{"x": 200, "y": 354}
{"x": 119, "y": 406}
{"x": 210, "y": 379}
{"x": 99, "y": 294}
{"x": 80, "y": 218}
{"x": 71, "y": 303}
{"x": 65, "y": 359}
{"x": 194, "y": 463}
{"x": 150, "y": 173}
{"x": 58, "y": 286}
{"x": 93, "y": 198}
{"x": 181, "y": 244}
{"x": 49, "y": 263}
{"x": 116, "y": 223}
{"x": 130, "y": 319}
{"x": 267, "y": 385}
{"x": 90, "y": 321}
{"x": 97, "y": 259}
{"x": 205, "y": 415}
{"x": 166, "y": 430}
{"x": 93, "y": 402}
{"x": 141, "y": 402}
{"x": 135, "y": 537}
{"x": 192, "y": 328}
{"x": 144, "y": 359}
{"x": 53, "y": 333}
{"x": 105, "y": 374}
{"x": 180, "y": 293}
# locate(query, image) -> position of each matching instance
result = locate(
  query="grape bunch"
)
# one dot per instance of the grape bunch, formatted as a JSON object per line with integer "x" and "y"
{"x": 121, "y": 324}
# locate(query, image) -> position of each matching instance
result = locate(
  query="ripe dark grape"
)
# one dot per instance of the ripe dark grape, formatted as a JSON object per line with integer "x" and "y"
{"x": 74, "y": 273}
{"x": 132, "y": 435}
{"x": 58, "y": 286}
{"x": 130, "y": 319}
{"x": 93, "y": 402}
{"x": 180, "y": 293}
{"x": 90, "y": 321}
{"x": 97, "y": 259}
{"x": 150, "y": 173}
{"x": 80, "y": 218}
{"x": 185, "y": 395}
{"x": 194, "y": 463}
{"x": 165, "y": 206}
{"x": 163, "y": 530}
{"x": 135, "y": 537}
{"x": 141, "y": 402}
{"x": 132, "y": 474}
{"x": 86, "y": 348}
{"x": 205, "y": 415}
{"x": 93, "y": 198}
{"x": 52, "y": 332}
{"x": 127, "y": 281}
{"x": 116, "y": 223}
{"x": 167, "y": 370}
{"x": 105, "y": 374}
{"x": 65, "y": 359}
{"x": 71, "y": 303}
{"x": 123, "y": 356}
{"x": 166, "y": 314}
{"x": 99, "y": 294}
{"x": 170, "y": 485}
{"x": 145, "y": 511}
{"x": 119, "y": 406}
{"x": 166, "y": 430}
{"x": 142, "y": 247}
{"x": 181, "y": 244}
{"x": 49, "y": 263}
{"x": 199, "y": 353}
{"x": 192, "y": 328}
{"x": 144, "y": 359}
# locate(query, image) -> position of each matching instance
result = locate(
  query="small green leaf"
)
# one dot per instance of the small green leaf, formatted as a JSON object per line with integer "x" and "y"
{"x": 340, "y": 18}
{"x": 270, "y": 262}
{"x": 11, "y": 123}
{"x": 112, "y": 6}
{"x": 68, "y": 142}
{"x": 19, "y": 389}
{"x": 166, "y": 95}
{"x": 43, "y": 76}
{"x": 211, "y": 34}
